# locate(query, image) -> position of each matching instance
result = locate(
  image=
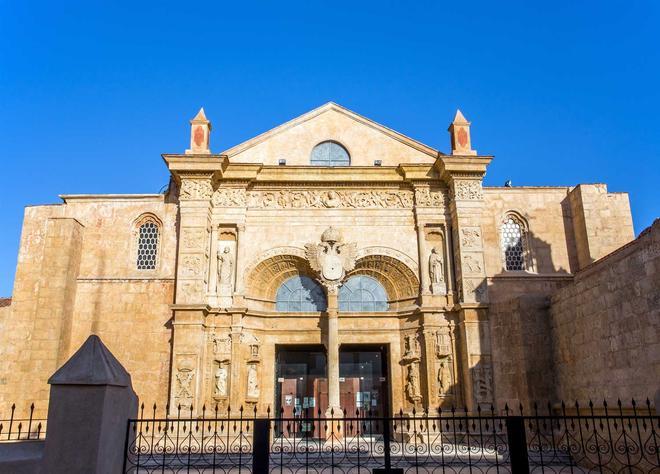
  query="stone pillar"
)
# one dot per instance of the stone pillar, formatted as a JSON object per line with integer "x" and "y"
{"x": 238, "y": 368}
{"x": 332, "y": 344}
{"x": 464, "y": 174}
{"x": 91, "y": 400}
{"x": 423, "y": 260}
{"x": 241, "y": 258}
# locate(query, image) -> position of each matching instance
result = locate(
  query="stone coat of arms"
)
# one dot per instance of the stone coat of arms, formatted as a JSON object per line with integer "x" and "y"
{"x": 331, "y": 258}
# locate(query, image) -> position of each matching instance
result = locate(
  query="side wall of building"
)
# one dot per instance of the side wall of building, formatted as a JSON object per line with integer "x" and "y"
{"x": 606, "y": 325}
{"x": 76, "y": 276}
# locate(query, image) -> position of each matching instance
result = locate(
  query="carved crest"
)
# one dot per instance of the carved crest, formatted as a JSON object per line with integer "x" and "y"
{"x": 331, "y": 258}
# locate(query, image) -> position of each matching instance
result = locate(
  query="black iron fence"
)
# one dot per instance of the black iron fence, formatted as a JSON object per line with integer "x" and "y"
{"x": 16, "y": 427}
{"x": 562, "y": 439}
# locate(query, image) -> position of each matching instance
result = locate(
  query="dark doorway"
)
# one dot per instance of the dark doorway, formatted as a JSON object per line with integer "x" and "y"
{"x": 363, "y": 382}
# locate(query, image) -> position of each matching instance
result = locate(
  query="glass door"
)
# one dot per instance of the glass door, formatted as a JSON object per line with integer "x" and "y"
{"x": 363, "y": 380}
{"x": 300, "y": 389}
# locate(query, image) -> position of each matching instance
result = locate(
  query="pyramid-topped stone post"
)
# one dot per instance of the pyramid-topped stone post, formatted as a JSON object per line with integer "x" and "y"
{"x": 459, "y": 131}
{"x": 91, "y": 401}
{"x": 200, "y": 135}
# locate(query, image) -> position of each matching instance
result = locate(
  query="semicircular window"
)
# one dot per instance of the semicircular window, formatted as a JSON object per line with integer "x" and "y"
{"x": 300, "y": 294}
{"x": 330, "y": 154}
{"x": 362, "y": 293}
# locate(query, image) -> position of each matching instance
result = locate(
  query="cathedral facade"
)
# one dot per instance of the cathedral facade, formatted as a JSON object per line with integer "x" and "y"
{"x": 328, "y": 264}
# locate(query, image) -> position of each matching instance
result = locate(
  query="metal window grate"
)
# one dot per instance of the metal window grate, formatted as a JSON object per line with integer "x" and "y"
{"x": 513, "y": 235}
{"x": 147, "y": 251}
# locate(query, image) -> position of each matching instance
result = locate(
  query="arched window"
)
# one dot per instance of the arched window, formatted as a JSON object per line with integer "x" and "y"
{"x": 300, "y": 294}
{"x": 330, "y": 154}
{"x": 515, "y": 252}
{"x": 147, "y": 243}
{"x": 362, "y": 293}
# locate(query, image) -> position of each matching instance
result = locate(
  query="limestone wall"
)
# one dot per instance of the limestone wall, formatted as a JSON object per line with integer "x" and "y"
{"x": 606, "y": 325}
{"x": 76, "y": 276}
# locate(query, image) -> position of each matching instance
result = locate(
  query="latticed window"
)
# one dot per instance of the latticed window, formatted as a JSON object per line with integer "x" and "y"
{"x": 300, "y": 294}
{"x": 514, "y": 243}
{"x": 330, "y": 154}
{"x": 362, "y": 293}
{"x": 147, "y": 250}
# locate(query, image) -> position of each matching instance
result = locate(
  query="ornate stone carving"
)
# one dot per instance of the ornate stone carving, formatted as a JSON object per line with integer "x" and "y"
{"x": 252, "y": 381}
{"x": 221, "y": 375}
{"x": 191, "y": 265}
{"x": 437, "y": 271}
{"x": 331, "y": 258}
{"x": 390, "y": 252}
{"x": 482, "y": 383}
{"x": 412, "y": 384}
{"x": 468, "y": 190}
{"x": 472, "y": 264}
{"x": 474, "y": 290}
{"x": 314, "y": 199}
{"x": 193, "y": 238}
{"x": 426, "y": 198}
{"x": 444, "y": 355}
{"x": 411, "y": 347}
{"x": 229, "y": 197}
{"x": 221, "y": 345}
{"x": 190, "y": 290}
{"x": 471, "y": 237}
{"x": 195, "y": 189}
{"x": 183, "y": 383}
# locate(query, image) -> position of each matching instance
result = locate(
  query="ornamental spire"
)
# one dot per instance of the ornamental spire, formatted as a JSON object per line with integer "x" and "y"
{"x": 200, "y": 135}
{"x": 459, "y": 131}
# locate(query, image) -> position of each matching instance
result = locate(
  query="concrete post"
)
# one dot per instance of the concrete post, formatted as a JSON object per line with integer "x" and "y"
{"x": 91, "y": 400}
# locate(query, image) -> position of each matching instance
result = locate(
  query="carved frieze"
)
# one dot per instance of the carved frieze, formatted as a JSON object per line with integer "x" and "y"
{"x": 468, "y": 190}
{"x": 192, "y": 189}
{"x": 230, "y": 197}
{"x": 424, "y": 197}
{"x": 313, "y": 199}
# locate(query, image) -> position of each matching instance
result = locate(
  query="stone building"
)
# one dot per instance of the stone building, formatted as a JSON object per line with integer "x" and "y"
{"x": 331, "y": 263}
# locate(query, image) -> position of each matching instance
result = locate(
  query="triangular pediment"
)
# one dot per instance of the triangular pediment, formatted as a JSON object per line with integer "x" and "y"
{"x": 365, "y": 140}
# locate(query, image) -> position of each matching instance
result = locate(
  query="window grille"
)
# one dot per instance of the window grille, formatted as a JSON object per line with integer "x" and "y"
{"x": 513, "y": 244}
{"x": 147, "y": 250}
{"x": 330, "y": 154}
{"x": 361, "y": 293}
{"x": 300, "y": 294}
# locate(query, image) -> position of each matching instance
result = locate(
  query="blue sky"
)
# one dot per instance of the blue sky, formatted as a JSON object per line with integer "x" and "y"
{"x": 92, "y": 93}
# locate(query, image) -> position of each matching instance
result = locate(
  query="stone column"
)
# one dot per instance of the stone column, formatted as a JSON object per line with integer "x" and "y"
{"x": 239, "y": 289}
{"x": 332, "y": 344}
{"x": 423, "y": 260}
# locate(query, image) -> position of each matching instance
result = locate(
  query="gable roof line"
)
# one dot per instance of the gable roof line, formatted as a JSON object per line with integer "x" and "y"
{"x": 320, "y": 110}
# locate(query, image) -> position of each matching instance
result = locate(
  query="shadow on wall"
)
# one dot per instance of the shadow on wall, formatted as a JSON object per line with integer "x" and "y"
{"x": 520, "y": 326}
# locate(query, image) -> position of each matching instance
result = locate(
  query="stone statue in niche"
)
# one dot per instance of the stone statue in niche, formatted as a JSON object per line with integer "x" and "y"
{"x": 412, "y": 385}
{"x": 252, "y": 382}
{"x": 225, "y": 268}
{"x": 444, "y": 376}
{"x": 221, "y": 380}
{"x": 437, "y": 272}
